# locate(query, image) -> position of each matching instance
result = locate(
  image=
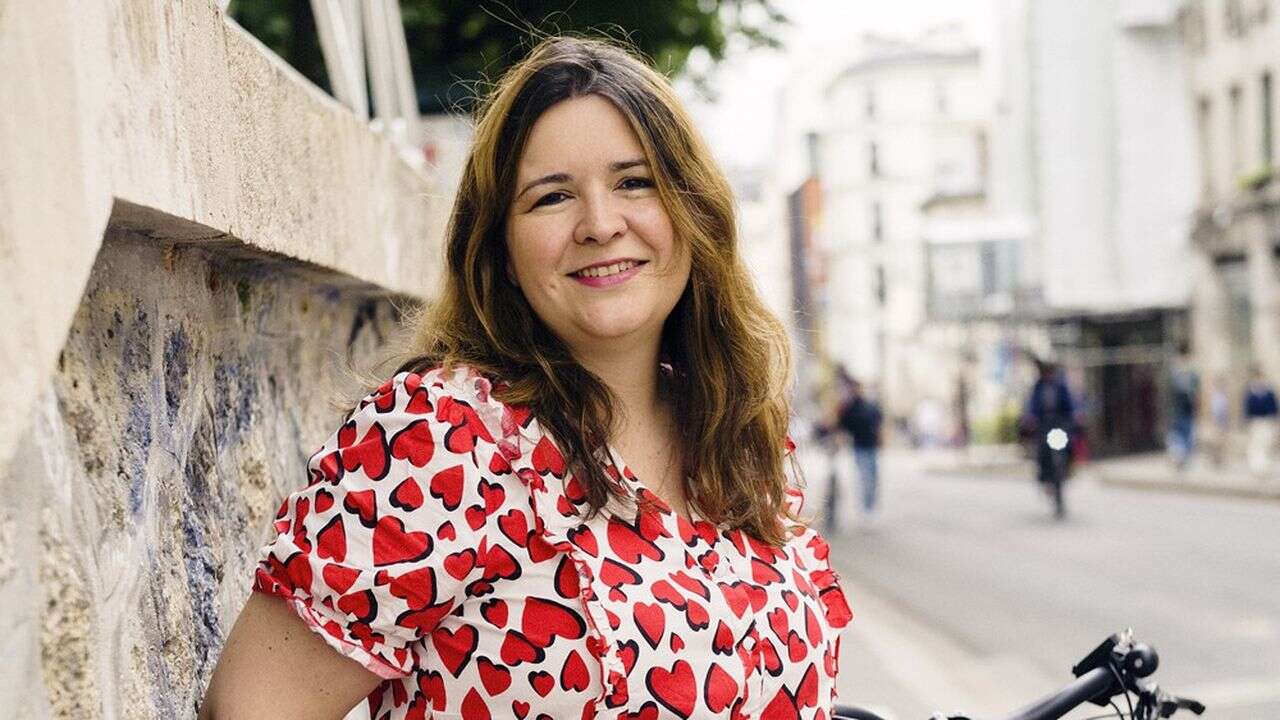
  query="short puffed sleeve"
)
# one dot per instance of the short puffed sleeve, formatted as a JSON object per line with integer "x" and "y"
{"x": 383, "y": 541}
{"x": 815, "y": 555}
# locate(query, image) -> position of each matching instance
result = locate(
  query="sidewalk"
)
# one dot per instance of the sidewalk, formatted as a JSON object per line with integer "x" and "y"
{"x": 1154, "y": 472}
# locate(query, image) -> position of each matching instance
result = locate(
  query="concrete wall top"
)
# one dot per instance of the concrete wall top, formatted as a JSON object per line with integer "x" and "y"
{"x": 167, "y": 108}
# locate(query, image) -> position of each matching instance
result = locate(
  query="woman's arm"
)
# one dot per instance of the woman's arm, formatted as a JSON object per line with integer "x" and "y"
{"x": 274, "y": 666}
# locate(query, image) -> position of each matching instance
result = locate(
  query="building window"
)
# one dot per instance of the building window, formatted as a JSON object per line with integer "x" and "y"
{"x": 874, "y": 154}
{"x": 1192, "y": 21}
{"x": 871, "y": 101}
{"x": 1204, "y": 131}
{"x": 877, "y": 221}
{"x": 1268, "y": 121}
{"x": 882, "y": 286}
{"x": 1236, "y": 98}
{"x": 940, "y": 97}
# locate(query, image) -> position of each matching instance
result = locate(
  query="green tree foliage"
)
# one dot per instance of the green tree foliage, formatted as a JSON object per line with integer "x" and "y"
{"x": 453, "y": 44}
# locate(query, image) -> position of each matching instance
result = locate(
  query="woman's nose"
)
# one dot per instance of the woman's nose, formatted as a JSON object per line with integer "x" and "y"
{"x": 602, "y": 220}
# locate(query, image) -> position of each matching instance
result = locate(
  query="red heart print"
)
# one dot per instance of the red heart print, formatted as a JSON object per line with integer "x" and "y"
{"x": 446, "y": 486}
{"x": 764, "y": 574}
{"x": 615, "y": 574}
{"x": 495, "y": 611}
{"x": 676, "y": 689}
{"x": 544, "y": 619}
{"x": 331, "y": 541}
{"x": 370, "y": 454}
{"x": 540, "y": 549}
{"x": 585, "y": 540}
{"x": 499, "y": 564}
{"x": 796, "y": 649}
{"x": 392, "y": 544}
{"x": 692, "y": 584}
{"x": 324, "y": 500}
{"x": 781, "y": 707}
{"x": 812, "y": 630}
{"x": 696, "y": 615}
{"x": 339, "y": 578}
{"x": 627, "y": 543}
{"x": 363, "y": 503}
{"x": 664, "y": 592}
{"x": 807, "y": 691}
{"x": 417, "y": 587}
{"x": 476, "y": 517}
{"x": 455, "y": 647}
{"x": 722, "y": 642}
{"x": 567, "y": 578}
{"x": 495, "y": 678}
{"x": 459, "y": 564}
{"x": 473, "y": 706}
{"x": 407, "y": 495}
{"x": 547, "y": 458}
{"x": 628, "y": 652}
{"x": 517, "y": 649}
{"x": 419, "y": 402}
{"x": 414, "y": 443}
{"x": 446, "y": 531}
{"x": 651, "y": 621}
{"x": 676, "y": 643}
{"x": 573, "y": 674}
{"x": 720, "y": 689}
{"x": 493, "y": 496}
{"x": 361, "y": 605}
{"x": 515, "y": 525}
{"x": 520, "y": 708}
{"x": 542, "y": 682}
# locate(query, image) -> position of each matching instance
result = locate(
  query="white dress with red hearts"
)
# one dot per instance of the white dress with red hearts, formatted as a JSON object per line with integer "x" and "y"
{"x": 440, "y": 545}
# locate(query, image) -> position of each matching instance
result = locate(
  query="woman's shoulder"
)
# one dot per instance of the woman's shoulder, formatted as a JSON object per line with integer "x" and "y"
{"x": 452, "y": 394}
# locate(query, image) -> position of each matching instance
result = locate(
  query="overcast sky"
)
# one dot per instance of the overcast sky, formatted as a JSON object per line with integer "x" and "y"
{"x": 740, "y": 124}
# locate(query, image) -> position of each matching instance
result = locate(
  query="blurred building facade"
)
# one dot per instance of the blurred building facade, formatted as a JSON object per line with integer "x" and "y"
{"x": 906, "y": 126}
{"x": 1032, "y": 197}
{"x": 1113, "y": 192}
{"x": 1234, "y": 52}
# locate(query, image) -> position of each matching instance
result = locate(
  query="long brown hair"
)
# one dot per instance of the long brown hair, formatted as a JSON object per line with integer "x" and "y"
{"x": 730, "y": 355}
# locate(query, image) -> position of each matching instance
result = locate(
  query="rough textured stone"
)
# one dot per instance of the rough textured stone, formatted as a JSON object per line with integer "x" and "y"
{"x": 193, "y": 384}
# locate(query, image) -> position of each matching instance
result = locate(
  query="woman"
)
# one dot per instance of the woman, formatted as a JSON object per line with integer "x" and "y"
{"x": 572, "y": 503}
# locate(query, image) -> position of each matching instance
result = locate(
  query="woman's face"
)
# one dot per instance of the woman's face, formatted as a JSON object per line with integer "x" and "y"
{"x": 589, "y": 241}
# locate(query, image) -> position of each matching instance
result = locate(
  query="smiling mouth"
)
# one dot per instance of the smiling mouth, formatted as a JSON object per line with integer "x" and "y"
{"x": 600, "y": 271}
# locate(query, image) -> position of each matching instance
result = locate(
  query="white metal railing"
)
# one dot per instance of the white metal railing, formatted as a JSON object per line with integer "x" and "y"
{"x": 360, "y": 35}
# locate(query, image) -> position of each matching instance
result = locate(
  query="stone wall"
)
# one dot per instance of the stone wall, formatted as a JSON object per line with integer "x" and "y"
{"x": 192, "y": 387}
{"x": 197, "y": 245}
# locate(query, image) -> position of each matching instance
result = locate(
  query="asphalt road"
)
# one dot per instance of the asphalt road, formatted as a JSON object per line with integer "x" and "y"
{"x": 969, "y": 596}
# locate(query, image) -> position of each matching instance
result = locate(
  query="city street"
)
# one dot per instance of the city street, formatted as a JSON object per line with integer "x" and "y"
{"x": 967, "y": 596}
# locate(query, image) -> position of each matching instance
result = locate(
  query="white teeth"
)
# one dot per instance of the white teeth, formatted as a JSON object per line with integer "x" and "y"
{"x": 607, "y": 270}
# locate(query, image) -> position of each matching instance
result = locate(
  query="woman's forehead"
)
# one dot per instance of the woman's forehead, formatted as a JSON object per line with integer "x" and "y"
{"x": 588, "y": 132}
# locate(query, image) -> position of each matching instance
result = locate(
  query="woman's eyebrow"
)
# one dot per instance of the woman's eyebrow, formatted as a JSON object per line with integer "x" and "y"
{"x": 566, "y": 177}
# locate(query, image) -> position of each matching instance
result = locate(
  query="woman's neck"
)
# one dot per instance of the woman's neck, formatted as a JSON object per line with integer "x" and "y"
{"x": 633, "y": 376}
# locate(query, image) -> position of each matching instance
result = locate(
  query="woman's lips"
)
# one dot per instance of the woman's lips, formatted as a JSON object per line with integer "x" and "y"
{"x": 609, "y": 280}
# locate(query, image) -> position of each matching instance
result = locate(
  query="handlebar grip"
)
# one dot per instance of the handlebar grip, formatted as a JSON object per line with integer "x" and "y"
{"x": 1095, "y": 683}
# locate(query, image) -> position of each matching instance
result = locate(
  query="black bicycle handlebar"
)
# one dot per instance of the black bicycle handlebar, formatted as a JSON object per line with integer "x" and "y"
{"x": 1112, "y": 668}
{"x": 1098, "y": 682}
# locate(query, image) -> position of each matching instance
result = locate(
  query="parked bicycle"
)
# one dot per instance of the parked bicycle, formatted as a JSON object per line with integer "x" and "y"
{"x": 1115, "y": 668}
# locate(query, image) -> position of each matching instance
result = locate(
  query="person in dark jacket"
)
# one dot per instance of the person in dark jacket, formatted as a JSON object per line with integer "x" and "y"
{"x": 859, "y": 418}
{"x": 1260, "y": 415}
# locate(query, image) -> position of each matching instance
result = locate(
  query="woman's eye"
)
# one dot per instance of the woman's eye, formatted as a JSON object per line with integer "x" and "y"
{"x": 550, "y": 198}
{"x": 636, "y": 183}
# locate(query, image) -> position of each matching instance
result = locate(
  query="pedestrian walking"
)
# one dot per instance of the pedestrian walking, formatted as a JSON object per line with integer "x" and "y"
{"x": 1184, "y": 390}
{"x": 1219, "y": 434}
{"x": 1261, "y": 414}
{"x": 859, "y": 419}
{"x": 572, "y": 499}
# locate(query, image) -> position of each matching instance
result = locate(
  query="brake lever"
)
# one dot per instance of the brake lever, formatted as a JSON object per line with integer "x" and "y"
{"x": 1169, "y": 704}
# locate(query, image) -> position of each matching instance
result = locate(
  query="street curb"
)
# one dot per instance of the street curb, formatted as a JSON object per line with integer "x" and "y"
{"x": 1191, "y": 487}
